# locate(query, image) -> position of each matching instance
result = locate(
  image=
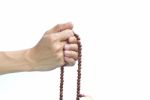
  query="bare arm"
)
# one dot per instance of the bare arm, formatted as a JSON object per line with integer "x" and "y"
{"x": 16, "y": 61}
{"x": 51, "y": 52}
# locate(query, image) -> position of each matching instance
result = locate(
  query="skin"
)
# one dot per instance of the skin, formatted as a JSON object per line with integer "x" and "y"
{"x": 57, "y": 47}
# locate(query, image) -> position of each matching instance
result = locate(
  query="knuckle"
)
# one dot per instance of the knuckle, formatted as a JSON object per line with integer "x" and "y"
{"x": 52, "y": 38}
{"x": 74, "y": 38}
{"x": 76, "y": 56}
{"x": 58, "y": 27}
{"x": 73, "y": 53}
{"x": 57, "y": 48}
{"x": 75, "y": 46}
{"x": 69, "y": 32}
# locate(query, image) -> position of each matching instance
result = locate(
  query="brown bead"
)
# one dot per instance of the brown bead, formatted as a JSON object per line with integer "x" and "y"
{"x": 78, "y": 95}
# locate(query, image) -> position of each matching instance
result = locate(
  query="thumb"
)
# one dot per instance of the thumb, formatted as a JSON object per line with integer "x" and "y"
{"x": 62, "y": 27}
{"x": 64, "y": 35}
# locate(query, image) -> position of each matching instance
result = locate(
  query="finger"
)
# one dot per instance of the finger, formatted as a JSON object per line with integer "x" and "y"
{"x": 62, "y": 43}
{"x": 72, "y": 39}
{"x": 72, "y": 47}
{"x": 69, "y": 61}
{"x": 64, "y": 35}
{"x": 71, "y": 54}
{"x": 62, "y": 27}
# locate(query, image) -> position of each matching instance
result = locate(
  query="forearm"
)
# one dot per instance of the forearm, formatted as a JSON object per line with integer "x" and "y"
{"x": 15, "y": 61}
{"x": 51, "y": 52}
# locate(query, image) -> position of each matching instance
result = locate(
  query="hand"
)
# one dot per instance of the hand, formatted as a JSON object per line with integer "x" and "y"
{"x": 57, "y": 47}
{"x": 71, "y": 51}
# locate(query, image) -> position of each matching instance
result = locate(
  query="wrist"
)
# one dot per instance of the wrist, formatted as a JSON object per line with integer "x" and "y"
{"x": 14, "y": 61}
{"x": 29, "y": 56}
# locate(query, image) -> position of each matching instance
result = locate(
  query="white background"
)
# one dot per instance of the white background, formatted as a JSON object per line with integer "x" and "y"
{"x": 116, "y": 47}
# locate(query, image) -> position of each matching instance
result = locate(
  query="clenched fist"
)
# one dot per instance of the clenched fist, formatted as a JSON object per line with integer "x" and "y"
{"x": 57, "y": 47}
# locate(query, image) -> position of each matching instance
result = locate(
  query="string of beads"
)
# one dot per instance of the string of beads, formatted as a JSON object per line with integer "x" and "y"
{"x": 78, "y": 95}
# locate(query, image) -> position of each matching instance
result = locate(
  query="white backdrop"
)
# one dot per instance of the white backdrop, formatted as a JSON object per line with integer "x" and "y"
{"x": 116, "y": 47}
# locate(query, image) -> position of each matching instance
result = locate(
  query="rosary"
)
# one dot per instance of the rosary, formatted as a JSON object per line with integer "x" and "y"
{"x": 78, "y": 95}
